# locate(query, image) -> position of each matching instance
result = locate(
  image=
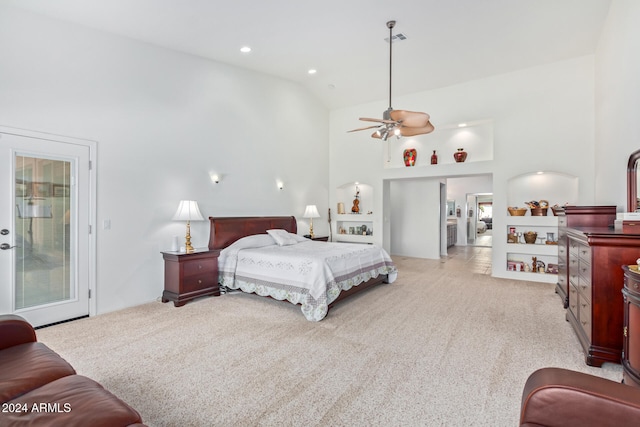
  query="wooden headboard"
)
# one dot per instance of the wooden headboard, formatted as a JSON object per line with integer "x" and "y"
{"x": 225, "y": 231}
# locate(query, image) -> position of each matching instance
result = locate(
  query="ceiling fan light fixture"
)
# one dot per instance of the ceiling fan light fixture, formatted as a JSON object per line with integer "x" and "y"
{"x": 398, "y": 122}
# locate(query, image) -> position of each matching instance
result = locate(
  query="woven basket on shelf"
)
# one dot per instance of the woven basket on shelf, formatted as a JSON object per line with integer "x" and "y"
{"x": 517, "y": 211}
{"x": 539, "y": 211}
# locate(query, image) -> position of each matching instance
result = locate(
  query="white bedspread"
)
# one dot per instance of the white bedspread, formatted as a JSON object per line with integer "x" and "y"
{"x": 308, "y": 272}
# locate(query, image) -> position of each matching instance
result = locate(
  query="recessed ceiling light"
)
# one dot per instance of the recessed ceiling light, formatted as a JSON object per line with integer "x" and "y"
{"x": 312, "y": 71}
{"x": 245, "y": 49}
{"x": 462, "y": 125}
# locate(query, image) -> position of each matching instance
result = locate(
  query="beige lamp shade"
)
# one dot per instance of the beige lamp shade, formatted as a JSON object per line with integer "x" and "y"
{"x": 311, "y": 211}
{"x": 188, "y": 210}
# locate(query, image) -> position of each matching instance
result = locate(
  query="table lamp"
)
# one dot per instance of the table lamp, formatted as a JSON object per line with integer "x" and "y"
{"x": 187, "y": 211}
{"x": 311, "y": 212}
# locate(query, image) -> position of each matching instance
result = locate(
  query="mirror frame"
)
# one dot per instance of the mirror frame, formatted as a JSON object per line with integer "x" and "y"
{"x": 632, "y": 181}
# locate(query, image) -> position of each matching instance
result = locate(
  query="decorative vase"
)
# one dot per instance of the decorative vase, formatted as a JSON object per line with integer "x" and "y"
{"x": 410, "y": 155}
{"x": 434, "y": 158}
{"x": 530, "y": 237}
{"x": 460, "y": 155}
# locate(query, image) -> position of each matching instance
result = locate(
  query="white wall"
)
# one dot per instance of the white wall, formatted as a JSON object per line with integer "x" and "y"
{"x": 617, "y": 100}
{"x": 415, "y": 217}
{"x": 163, "y": 122}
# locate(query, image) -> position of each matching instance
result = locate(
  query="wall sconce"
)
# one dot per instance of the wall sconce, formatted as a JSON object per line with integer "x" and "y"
{"x": 280, "y": 185}
{"x": 215, "y": 178}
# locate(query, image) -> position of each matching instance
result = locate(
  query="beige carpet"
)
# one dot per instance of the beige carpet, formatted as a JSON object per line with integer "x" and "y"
{"x": 445, "y": 345}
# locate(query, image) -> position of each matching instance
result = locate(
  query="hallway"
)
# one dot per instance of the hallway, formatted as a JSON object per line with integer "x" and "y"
{"x": 484, "y": 239}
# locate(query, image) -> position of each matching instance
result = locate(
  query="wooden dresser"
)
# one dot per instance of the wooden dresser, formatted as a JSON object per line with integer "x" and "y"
{"x": 596, "y": 310}
{"x": 631, "y": 330}
{"x": 577, "y": 216}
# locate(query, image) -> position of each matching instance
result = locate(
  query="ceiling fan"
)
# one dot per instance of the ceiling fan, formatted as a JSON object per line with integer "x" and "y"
{"x": 397, "y": 122}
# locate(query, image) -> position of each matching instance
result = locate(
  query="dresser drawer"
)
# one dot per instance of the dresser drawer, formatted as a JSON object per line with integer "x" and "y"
{"x": 562, "y": 250}
{"x": 574, "y": 248}
{"x": 199, "y": 266}
{"x": 632, "y": 286}
{"x": 584, "y": 312}
{"x": 584, "y": 285}
{"x": 574, "y": 271}
{"x": 572, "y": 264}
{"x": 573, "y": 300}
{"x": 584, "y": 253}
{"x": 198, "y": 282}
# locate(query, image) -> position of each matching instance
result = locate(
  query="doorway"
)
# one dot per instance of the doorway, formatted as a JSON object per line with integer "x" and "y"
{"x": 480, "y": 219}
{"x": 47, "y": 248}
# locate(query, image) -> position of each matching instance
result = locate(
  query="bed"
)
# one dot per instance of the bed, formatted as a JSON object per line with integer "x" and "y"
{"x": 265, "y": 256}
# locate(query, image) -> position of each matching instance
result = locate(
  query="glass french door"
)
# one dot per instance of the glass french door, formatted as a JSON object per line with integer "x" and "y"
{"x": 44, "y": 229}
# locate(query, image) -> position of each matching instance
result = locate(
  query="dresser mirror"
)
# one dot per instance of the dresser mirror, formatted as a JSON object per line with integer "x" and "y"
{"x": 632, "y": 182}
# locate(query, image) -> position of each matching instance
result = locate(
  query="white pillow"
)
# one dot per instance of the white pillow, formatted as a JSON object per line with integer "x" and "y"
{"x": 284, "y": 238}
{"x": 253, "y": 241}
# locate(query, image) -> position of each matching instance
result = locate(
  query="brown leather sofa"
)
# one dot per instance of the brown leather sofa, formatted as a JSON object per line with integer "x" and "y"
{"x": 39, "y": 388}
{"x": 555, "y": 397}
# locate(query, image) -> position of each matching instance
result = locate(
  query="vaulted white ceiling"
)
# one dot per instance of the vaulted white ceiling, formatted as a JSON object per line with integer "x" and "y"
{"x": 448, "y": 41}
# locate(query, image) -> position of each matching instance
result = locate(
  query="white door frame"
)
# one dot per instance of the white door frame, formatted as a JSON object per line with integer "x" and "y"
{"x": 93, "y": 172}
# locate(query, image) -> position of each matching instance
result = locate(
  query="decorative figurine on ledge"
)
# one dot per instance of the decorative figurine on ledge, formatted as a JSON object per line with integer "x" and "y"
{"x": 356, "y": 202}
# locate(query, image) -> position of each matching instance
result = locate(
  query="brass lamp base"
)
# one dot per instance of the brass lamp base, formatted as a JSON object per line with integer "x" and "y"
{"x": 187, "y": 244}
{"x": 311, "y": 228}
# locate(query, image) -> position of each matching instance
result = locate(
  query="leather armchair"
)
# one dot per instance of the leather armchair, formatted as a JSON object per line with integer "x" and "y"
{"x": 556, "y": 397}
{"x": 15, "y": 331}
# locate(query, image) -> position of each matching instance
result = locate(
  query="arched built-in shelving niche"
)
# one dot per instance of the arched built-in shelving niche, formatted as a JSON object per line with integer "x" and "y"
{"x": 555, "y": 187}
{"x": 355, "y": 227}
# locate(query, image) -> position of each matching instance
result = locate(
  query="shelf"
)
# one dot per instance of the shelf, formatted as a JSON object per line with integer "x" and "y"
{"x": 353, "y": 238}
{"x": 532, "y": 249}
{"x": 354, "y": 217}
{"x": 533, "y": 277}
{"x": 533, "y": 221}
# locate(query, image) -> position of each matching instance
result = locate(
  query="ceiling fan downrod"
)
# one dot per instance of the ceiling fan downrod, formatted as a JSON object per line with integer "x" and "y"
{"x": 397, "y": 123}
{"x": 390, "y": 25}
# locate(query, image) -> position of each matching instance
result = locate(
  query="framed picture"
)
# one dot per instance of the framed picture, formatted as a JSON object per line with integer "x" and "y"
{"x": 451, "y": 207}
{"x": 60, "y": 190}
{"x": 41, "y": 189}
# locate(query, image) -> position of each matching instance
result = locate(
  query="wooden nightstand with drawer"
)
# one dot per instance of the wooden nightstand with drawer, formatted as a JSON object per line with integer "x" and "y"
{"x": 190, "y": 275}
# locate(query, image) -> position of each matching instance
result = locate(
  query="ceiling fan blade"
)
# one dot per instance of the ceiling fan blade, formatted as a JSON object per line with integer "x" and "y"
{"x": 410, "y": 118}
{"x": 364, "y": 128}
{"x": 413, "y": 131}
{"x": 367, "y": 119}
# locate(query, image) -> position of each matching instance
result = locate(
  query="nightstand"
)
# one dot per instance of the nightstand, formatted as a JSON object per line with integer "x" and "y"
{"x": 190, "y": 275}
{"x": 319, "y": 238}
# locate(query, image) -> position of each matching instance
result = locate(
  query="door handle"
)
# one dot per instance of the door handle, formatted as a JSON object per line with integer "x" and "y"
{"x": 6, "y": 246}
